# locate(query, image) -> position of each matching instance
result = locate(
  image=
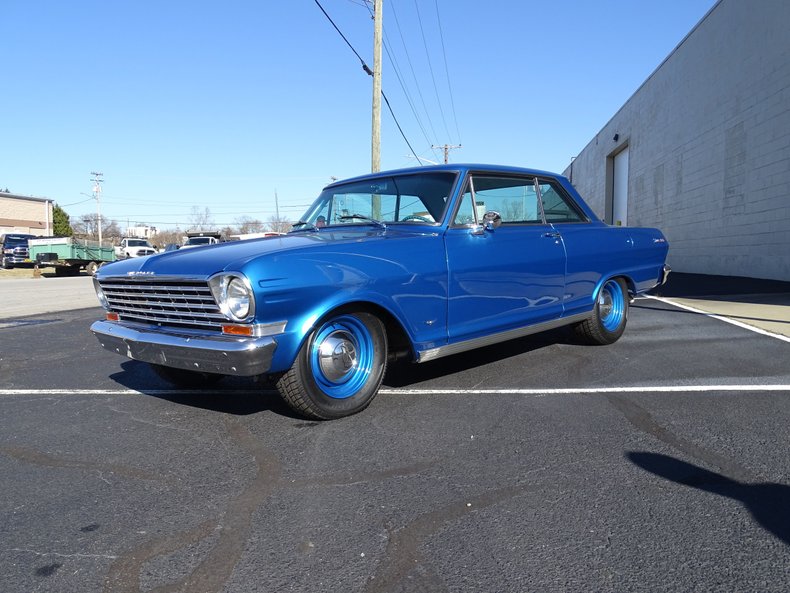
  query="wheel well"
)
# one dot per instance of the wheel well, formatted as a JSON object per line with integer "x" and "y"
{"x": 399, "y": 345}
{"x": 629, "y": 284}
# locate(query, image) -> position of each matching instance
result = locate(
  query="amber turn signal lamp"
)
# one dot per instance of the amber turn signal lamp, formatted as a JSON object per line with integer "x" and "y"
{"x": 113, "y": 317}
{"x": 237, "y": 330}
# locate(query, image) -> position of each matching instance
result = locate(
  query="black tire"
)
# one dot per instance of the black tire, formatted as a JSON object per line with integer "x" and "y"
{"x": 609, "y": 317}
{"x": 184, "y": 378}
{"x": 6, "y": 265}
{"x": 338, "y": 369}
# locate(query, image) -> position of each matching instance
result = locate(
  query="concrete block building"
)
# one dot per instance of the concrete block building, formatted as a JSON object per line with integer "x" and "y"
{"x": 702, "y": 149}
{"x": 25, "y": 214}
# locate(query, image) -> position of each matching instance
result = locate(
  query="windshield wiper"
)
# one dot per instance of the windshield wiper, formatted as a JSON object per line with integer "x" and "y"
{"x": 309, "y": 226}
{"x": 362, "y": 217}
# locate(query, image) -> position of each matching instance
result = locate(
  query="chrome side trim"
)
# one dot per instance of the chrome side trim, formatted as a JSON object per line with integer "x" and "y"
{"x": 504, "y": 336}
{"x": 260, "y": 330}
{"x": 207, "y": 353}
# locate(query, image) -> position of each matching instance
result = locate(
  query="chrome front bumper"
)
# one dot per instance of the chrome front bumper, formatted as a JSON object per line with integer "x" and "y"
{"x": 664, "y": 275}
{"x": 226, "y": 355}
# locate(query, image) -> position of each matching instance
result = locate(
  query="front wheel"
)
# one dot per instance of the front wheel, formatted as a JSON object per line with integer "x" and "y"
{"x": 338, "y": 369}
{"x": 610, "y": 314}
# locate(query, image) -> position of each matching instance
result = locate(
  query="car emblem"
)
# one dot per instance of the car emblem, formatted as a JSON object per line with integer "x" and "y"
{"x": 139, "y": 273}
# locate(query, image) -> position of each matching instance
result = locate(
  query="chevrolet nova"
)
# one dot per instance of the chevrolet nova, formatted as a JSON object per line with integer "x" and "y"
{"x": 417, "y": 263}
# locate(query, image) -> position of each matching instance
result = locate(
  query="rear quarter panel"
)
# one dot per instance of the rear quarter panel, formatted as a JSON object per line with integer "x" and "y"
{"x": 597, "y": 252}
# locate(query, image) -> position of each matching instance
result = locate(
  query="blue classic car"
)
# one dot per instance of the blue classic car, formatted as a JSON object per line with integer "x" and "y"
{"x": 417, "y": 263}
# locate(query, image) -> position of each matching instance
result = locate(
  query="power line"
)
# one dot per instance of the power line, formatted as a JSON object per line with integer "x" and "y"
{"x": 368, "y": 71}
{"x": 411, "y": 68}
{"x": 348, "y": 43}
{"x": 430, "y": 67}
{"x": 447, "y": 71}
{"x": 404, "y": 88}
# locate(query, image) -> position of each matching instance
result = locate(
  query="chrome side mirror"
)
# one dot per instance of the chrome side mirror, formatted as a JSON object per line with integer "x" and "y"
{"x": 491, "y": 220}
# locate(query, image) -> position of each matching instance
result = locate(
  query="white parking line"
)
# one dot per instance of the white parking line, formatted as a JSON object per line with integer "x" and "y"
{"x": 720, "y": 318}
{"x": 443, "y": 391}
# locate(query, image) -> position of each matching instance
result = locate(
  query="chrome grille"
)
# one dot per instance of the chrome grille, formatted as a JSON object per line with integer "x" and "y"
{"x": 186, "y": 304}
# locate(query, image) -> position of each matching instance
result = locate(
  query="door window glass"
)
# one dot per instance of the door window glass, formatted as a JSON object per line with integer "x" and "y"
{"x": 556, "y": 205}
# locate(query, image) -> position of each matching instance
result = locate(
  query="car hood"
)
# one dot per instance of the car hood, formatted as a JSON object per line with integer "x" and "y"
{"x": 202, "y": 262}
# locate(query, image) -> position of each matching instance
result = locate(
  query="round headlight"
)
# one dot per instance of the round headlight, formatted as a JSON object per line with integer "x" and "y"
{"x": 100, "y": 295}
{"x": 238, "y": 299}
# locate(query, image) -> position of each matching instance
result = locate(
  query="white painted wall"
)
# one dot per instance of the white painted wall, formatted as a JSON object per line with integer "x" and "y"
{"x": 709, "y": 145}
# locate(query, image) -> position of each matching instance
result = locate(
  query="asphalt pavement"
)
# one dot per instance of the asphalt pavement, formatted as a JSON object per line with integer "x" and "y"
{"x": 656, "y": 464}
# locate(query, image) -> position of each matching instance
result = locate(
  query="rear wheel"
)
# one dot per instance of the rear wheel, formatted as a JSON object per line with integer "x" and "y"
{"x": 339, "y": 368}
{"x": 185, "y": 378}
{"x": 91, "y": 268}
{"x": 610, "y": 314}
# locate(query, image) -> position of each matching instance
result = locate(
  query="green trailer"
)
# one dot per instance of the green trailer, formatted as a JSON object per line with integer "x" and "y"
{"x": 69, "y": 255}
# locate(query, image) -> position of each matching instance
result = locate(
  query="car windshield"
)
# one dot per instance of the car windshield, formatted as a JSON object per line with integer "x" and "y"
{"x": 409, "y": 198}
{"x": 138, "y": 243}
{"x": 199, "y": 241}
{"x": 17, "y": 240}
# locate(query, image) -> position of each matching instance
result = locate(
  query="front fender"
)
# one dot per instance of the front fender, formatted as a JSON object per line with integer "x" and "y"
{"x": 407, "y": 278}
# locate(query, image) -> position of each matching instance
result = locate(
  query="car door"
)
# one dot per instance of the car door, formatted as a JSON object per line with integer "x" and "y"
{"x": 502, "y": 276}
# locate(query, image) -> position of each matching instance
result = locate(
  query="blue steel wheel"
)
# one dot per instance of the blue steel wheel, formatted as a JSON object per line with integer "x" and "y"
{"x": 609, "y": 315}
{"x": 339, "y": 368}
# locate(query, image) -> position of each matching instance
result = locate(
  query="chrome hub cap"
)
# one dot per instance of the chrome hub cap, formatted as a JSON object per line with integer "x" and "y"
{"x": 337, "y": 356}
{"x": 605, "y": 303}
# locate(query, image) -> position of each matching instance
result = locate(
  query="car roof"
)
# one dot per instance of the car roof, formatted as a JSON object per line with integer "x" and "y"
{"x": 452, "y": 167}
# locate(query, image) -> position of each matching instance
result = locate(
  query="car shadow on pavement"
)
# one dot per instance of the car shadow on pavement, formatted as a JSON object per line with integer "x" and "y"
{"x": 403, "y": 374}
{"x": 768, "y": 503}
{"x": 238, "y": 396}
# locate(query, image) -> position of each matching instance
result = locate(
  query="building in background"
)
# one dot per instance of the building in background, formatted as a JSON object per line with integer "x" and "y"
{"x": 141, "y": 231}
{"x": 25, "y": 215}
{"x": 702, "y": 149}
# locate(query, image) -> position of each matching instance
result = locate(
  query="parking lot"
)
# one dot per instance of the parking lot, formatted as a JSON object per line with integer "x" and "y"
{"x": 659, "y": 463}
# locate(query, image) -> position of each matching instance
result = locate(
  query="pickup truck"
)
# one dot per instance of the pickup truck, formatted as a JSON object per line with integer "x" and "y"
{"x": 132, "y": 247}
{"x": 13, "y": 250}
{"x": 200, "y": 238}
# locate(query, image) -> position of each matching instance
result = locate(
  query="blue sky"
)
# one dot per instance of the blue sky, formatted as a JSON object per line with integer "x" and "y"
{"x": 220, "y": 104}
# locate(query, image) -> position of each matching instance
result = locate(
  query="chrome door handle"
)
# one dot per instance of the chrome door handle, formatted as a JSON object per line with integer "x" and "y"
{"x": 554, "y": 235}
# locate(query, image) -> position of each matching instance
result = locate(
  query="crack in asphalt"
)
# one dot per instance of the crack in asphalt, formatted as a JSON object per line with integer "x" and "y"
{"x": 403, "y": 560}
{"x": 233, "y": 527}
{"x": 641, "y": 419}
{"x": 42, "y": 459}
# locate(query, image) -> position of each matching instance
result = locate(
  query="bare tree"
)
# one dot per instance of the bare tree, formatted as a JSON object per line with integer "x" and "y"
{"x": 278, "y": 225}
{"x": 86, "y": 226}
{"x": 201, "y": 220}
{"x": 247, "y": 225}
{"x": 164, "y": 237}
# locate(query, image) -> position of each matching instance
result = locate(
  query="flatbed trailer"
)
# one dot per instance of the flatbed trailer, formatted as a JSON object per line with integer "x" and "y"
{"x": 69, "y": 255}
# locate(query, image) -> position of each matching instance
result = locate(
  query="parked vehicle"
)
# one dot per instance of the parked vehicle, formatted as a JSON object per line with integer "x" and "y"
{"x": 69, "y": 255}
{"x": 133, "y": 247}
{"x": 416, "y": 264}
{"x": 201, "y": 238}
{"x": 14, "y": 250}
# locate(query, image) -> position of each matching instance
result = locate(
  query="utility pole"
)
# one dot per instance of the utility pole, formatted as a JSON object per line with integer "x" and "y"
{"x": 447, "y": 148}
{"x": 378, "y": 17}
{"x": 97, "y": 181}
